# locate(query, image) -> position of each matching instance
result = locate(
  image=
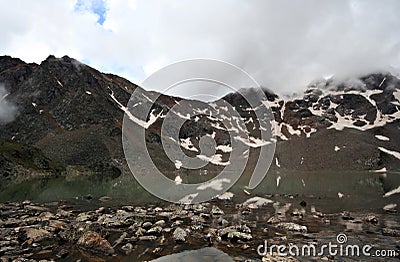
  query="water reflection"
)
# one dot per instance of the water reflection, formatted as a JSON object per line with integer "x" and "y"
{"x": 360, "y": 189}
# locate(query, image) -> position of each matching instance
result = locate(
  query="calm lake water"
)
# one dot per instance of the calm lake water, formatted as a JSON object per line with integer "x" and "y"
{"x": 358, "y": 189}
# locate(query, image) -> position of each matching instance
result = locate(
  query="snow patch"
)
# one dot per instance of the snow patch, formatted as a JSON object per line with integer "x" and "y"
{"x": 382, "y": 170}
{"x": 178, "y": 180}
{"x": 58, "y": 82}
{"x": 225, "y": 196}
{"x": 277, "y": 162}
{"x": 187, "y": 144}
{"x": 390, "y": 152}
{"x": 224, "y": 148}
{"x": 252, "y": 141}
{"x": 178, "y": 164}
{"x": 278, "y": 181}
{"x": 215, "y": 159}
{"x": 383, "y": 138}
{"x": 138, "y": 121}
{"x": 256, "y": 202}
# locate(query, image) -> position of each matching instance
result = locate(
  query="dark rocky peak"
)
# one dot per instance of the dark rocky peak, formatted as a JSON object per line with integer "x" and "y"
{"x": 7, "y": 62}
{"x": 374, "y": 81}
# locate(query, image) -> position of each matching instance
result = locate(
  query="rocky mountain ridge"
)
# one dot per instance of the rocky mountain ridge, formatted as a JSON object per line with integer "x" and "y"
{"x": 69, "y": 117}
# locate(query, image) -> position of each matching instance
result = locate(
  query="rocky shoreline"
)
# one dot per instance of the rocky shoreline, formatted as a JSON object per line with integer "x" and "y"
{"x": 71, "y": 231}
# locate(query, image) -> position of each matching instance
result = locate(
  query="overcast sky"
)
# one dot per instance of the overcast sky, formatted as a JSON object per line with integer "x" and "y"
{"x": 284, "y": 45}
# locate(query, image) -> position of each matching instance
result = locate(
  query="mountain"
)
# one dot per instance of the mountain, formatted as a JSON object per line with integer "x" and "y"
{"x": 69, "y": 116}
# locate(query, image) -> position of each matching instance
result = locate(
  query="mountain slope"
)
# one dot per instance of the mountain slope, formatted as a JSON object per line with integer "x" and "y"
{"x": 71, "y": 115}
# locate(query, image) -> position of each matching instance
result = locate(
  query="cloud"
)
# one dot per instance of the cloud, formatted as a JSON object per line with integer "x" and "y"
{"x": 8, "y": 110}
{"x": 283, "y": 44}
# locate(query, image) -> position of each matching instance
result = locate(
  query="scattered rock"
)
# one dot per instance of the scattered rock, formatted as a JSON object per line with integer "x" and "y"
{"x": 36, "y": 235}
{"x": 235, "y": 233}
{"x": 179, "y": 235}
{"x": 147, "y": 225}
{"x": 127, "y": 247}
{"x": 347, "y": 216}
{"x": 390, "y": 232}
{"x": 92, "y": 241}
{"x": 216, "y": 211}
{"x": 371, "y": 219}
{"x": 290, "y": 226}
{"x": 256, "y": 202}
{"x": 154, "y": 230}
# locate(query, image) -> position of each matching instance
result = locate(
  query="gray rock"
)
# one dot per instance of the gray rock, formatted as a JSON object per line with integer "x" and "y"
{"x": 179, "y": 235}
{"x": 290, "y": 226}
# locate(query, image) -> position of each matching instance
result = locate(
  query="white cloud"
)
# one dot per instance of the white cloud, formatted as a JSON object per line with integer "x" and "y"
{"x": 283, "y": 44}
{"x": 8, "y": 110}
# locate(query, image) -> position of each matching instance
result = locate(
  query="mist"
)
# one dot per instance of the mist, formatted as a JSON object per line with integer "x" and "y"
{"x": 8, "y": 110}
{"x": 284, "y": 45}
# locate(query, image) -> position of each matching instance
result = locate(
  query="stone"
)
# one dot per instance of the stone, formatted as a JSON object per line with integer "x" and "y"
{"x": 36, "y": 235}
{"x": 290, "y": 226}
{"x": 179, "y": 235}
{"x": 154, "y": 230}
{"x": 216, "y": 211}
{"x": 256, "y": 202}
{"x": 128, "y": 247}
{"x": 92, "y": 241}
{"x": 160, "y": 223}
{"x": 235, "y": 233}
{"x": 371, "y": 219}
{"x": 147, "y": 225}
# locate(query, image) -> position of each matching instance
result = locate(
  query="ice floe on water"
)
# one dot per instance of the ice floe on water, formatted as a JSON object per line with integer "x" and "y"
{"x": 256, "y": 202}
{"x": 188, "y": 198}
{"x": 392, "y": 192}
{"x": 382, "y": 170}
{"x": 215, "y": 184}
